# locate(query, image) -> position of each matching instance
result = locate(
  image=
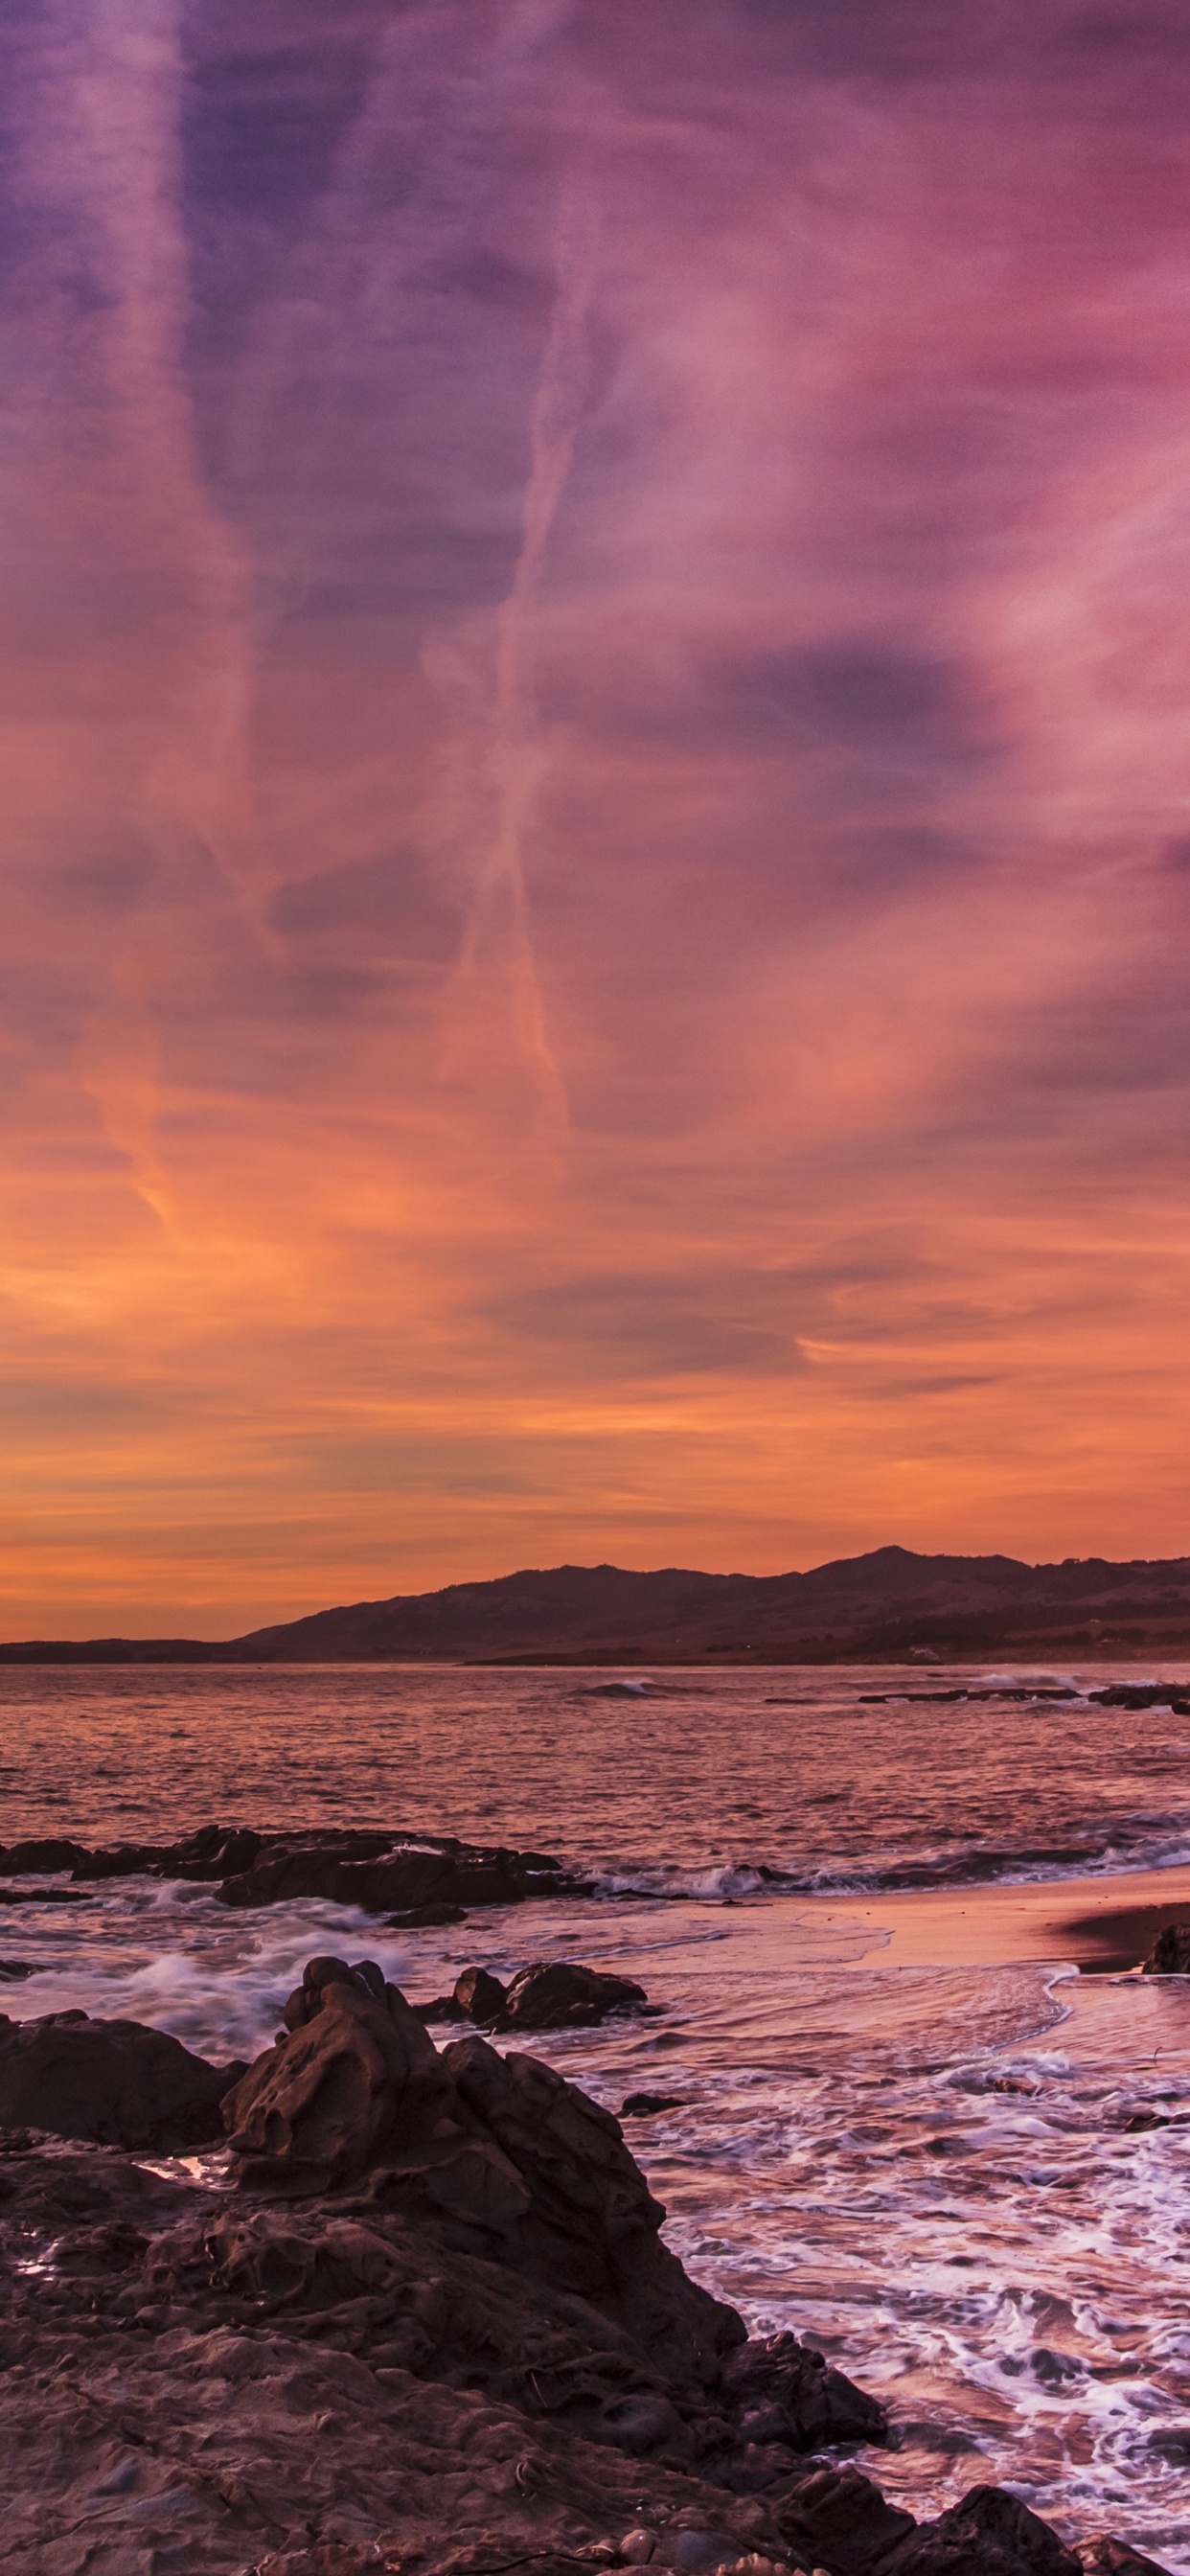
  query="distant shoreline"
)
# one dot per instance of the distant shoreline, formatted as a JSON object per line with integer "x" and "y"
{"x": 149, "y": 1652}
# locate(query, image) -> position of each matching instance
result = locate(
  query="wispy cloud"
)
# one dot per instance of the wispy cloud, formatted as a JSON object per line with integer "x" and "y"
{"x": 596, "y": 790}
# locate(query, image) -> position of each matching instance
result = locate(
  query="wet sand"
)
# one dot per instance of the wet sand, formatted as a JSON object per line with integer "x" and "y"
{"x": 1101, "y": 1925}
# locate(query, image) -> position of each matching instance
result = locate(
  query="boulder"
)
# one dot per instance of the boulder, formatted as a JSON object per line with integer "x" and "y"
{"x": 1170, "y": 1954}
{"x": 353, "y": 2069}
{"x": 839, "y": 2521}
{"x": 116, "y": 2083}
{"x": 41, "y": 1857}
{"x": 562, "y": 1995}
{"x": 1102, "y": 2555}
{"x": 558, "y": 1995}
{"x": 498, "y": 2154}
{"x": 384, "y": 1876}
{"x": 988, "y": 2533}
{"x": 789, "y": 2393}
{"x": 479, "y": 1995}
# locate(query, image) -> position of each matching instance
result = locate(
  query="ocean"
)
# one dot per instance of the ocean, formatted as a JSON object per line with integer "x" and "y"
{"x": 967, "y": 2184}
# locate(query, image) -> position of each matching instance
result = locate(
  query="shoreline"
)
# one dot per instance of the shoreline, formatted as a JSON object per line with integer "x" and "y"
{"x": 1085, "y": 1923}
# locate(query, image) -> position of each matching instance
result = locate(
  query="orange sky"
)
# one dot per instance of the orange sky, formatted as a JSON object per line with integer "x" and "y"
{"x": 596, "y": 845}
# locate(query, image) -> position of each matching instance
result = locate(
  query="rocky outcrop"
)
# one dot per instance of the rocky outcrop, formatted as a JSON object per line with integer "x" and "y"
{"x": 433, "y": 2327}
{"x": 209, "y": 2383}
{"x": 1170, "y": 1953}
{"x": 117, "y": 2083}
{"x": 500, "y": 2155}
{"x": 411, "y": 1878}
{"x": 393, "y": 1875}
{"x": 841, "y": 2521}
{"x": 555, "y": 1995}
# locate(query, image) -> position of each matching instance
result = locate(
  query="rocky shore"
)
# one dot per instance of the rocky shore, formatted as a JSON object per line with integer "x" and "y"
{"x": 402, "y": 1877}
{"x": 415, "y": 2315}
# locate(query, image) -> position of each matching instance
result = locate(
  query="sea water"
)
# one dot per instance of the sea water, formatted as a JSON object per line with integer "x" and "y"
{"x": 935, "y": 2174}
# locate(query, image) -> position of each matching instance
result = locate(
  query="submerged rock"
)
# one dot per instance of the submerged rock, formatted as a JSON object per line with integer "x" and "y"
{"x": 117, "y": 2083}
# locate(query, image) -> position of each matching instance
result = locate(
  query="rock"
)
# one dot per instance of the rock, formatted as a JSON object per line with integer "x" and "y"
{"x": 698, "y": 2552}
{"x": 637, "y": 2547}
{"x": 1104, "y": 2556}
{"x": 788, "y": 2393}
{"x": 838, "y": 2519}
{"x": 42, "y": 1896}
{"x": 476, "y": 1997}
{"x": 498, "y": 2154}
{"x": 116, "y": 2083}
{"x": 561, "y": 1995}
{"x": 480, "y": 1996}
{"x": 644, "y": 2106}
{"x": 383, "y": 1876}
{"x": 557, "y": 1996}
{"x": 355, "y": 2067}
{"x": 988, "y": 2533}
{"x": 40, "y": 1857}
{"x": 1170, "y": 1954}
{"x": 425, "y": 1918}
{"x": 12, "y": 1970}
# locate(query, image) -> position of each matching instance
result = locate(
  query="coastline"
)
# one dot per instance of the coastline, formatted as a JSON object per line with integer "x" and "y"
{"x": 1102, "y": 1926}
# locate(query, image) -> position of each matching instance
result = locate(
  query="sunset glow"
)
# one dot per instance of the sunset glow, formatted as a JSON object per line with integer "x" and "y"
{"x": 596, "y": 837}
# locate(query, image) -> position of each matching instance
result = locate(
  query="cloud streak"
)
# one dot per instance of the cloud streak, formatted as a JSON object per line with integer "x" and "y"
{"x": 596, "y": 797}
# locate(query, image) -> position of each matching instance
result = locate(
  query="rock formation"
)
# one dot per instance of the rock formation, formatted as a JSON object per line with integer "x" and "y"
{"x": 555, "y": 1995}
{"x": 411, "y": 1878}
{"x": 430, "y": 2327}
{"x": 116, "y": 2083}
{"x": 1170, "y": 1953}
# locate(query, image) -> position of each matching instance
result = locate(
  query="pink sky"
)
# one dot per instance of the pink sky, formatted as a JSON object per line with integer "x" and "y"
{"x": 596, "y": 846}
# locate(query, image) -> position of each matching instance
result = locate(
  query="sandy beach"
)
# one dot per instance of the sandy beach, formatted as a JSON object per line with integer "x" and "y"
{"x": 1101, "y": 1925}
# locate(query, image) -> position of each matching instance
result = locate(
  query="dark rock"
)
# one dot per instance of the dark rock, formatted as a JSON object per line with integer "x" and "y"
{"x": 498, "y": 2154}
{"x": 989, "y": 2533}
{"x": 561, "y": 1995}
{"x": 1104, "y": 2556}
{"x": 800, "y": 2399}
{"x": 42, "y": 1896}
{"x": 589, "y": 2222}
{"x": 215, "y": 1852}
{"x": 644, "y": 2106}
{"x": 44, "y": 1855}
{"x": 390, "y": 1877}
{"x": 117, "y": 2083}
{"x": 118, "y": 1860}
{"x": 426, "y": 1918}
{"x": 479, "y": 1995}
{"x": 355, "y": 2065}
{"x": 1170, "y": 1954}
{"x": 13, "y": 1970}
{"x": 840, "y": 2521}
{"x": 555, "y": 1996}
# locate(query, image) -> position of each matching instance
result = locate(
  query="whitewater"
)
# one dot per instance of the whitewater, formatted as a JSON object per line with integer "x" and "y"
{"x": 962, "y": 2175}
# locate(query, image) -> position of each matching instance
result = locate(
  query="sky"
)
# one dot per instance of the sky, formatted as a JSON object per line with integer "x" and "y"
{"x": 595, "y": 845}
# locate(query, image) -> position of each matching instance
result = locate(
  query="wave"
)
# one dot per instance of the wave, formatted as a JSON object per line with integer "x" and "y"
{"x": 1117, "y": 1853}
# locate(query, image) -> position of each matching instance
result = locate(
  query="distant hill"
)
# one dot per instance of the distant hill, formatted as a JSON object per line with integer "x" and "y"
{"x": 859, "y": 1608}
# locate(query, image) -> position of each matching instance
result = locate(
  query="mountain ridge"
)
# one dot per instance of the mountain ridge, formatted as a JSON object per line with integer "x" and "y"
{"x": 873, "y": 1607}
